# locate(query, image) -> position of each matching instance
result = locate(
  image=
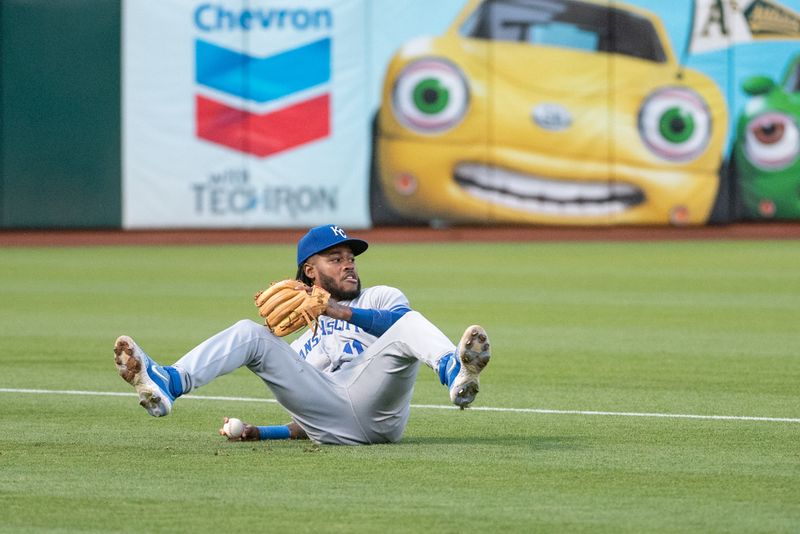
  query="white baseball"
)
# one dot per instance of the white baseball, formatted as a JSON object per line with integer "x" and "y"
{"x": 234, "y": 428}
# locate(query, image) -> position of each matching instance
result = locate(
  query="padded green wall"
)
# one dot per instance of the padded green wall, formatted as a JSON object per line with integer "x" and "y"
{"x": 60, "y": 113}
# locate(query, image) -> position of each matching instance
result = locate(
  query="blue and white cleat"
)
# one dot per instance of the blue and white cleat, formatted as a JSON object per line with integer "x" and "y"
{"x": 150, "y": 380}
{"x": 473, "y": 353}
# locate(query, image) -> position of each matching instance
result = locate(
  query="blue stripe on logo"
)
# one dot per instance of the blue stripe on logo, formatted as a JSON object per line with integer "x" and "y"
{"x": 263, "y": 79}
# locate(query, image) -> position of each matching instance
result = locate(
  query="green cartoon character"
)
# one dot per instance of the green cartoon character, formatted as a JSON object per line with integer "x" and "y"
{"x": 767, "y": 166}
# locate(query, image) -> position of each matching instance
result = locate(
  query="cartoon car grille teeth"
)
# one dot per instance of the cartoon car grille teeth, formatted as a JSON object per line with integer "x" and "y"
{"x": 547, "y": 196}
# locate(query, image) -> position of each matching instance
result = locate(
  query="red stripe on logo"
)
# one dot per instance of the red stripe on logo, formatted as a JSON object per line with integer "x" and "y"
{"x": 265, "y": 134}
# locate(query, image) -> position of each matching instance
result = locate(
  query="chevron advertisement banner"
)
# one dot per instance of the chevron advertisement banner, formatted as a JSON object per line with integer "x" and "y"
{"x": 245, "y": 113}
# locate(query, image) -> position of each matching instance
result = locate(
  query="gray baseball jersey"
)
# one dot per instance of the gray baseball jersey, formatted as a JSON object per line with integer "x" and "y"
{"x": 337, "y": 342}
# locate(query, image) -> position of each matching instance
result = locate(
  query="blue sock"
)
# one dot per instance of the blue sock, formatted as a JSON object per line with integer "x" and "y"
{"x": 274, "y": 432}
{"x": 175, "y": 384}
{"x": 449, "y": 366}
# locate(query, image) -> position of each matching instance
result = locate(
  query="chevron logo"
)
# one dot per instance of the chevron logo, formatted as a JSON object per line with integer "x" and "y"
{"x": 285, "y": 81}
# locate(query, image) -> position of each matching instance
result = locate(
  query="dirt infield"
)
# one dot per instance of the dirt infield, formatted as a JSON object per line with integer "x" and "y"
{"x": 758, "y": 231}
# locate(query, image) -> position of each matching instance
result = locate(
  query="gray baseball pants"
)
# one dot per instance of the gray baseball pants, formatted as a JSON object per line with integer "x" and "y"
{"x": 367, "y": 401}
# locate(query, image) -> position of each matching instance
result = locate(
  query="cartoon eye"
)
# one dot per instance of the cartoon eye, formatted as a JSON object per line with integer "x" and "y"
{"x": 772, "y": 141}
{"x": 430, "y": 96}
{"x": 675, "y": 124}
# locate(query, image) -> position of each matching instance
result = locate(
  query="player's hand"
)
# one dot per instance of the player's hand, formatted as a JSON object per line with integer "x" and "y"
{"x": 250, "y": 432}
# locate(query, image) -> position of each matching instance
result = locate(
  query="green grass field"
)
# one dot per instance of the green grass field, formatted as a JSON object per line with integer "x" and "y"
{"x": 696, "y": 328}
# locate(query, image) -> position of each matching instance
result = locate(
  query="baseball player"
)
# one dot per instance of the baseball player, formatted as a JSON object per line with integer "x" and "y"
{"x": 349, "y": 380}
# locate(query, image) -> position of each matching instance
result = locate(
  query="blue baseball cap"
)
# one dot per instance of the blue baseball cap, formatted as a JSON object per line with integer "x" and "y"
{"x": 324, "y": 237}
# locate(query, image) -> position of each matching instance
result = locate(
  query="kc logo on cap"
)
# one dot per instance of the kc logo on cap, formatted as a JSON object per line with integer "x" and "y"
{"x": 321, "y": 238}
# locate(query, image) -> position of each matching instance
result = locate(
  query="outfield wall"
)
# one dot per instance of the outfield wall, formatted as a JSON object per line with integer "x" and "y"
{"x": 60, "y": 158}
{"x": 284, "y": 114}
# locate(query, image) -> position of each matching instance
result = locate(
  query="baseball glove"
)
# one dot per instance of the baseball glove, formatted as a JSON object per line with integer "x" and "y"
{"x": 289, "y": 305}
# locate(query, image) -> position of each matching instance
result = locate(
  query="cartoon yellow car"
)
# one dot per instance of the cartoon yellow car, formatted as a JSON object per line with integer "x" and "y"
{"x": 547, "y": 112}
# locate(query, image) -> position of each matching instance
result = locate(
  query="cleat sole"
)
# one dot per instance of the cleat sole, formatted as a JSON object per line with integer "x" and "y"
{"x": 131, "y": 369}
{"x": 474, "y": 351}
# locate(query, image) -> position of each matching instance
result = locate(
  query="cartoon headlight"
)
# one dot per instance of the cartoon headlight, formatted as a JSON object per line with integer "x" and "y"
{"x": 772, "y": 141}
{"x": 430, "y": 96}
{"x": 675, "y": 124}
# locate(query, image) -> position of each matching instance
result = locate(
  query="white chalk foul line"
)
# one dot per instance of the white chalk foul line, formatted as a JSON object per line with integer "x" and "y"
{"x": 434, "y": 406}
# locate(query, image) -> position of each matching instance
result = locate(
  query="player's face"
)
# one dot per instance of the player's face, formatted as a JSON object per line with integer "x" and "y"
{"x": 335, "y": 271}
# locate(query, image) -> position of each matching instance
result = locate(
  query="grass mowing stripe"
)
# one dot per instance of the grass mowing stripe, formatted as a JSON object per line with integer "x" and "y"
{"x": 438, "y": 407}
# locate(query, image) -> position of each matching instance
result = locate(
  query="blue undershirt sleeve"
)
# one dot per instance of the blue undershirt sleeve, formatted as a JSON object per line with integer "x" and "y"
{"x": 274, "y": 432}
{"x": 376, "y": 322}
